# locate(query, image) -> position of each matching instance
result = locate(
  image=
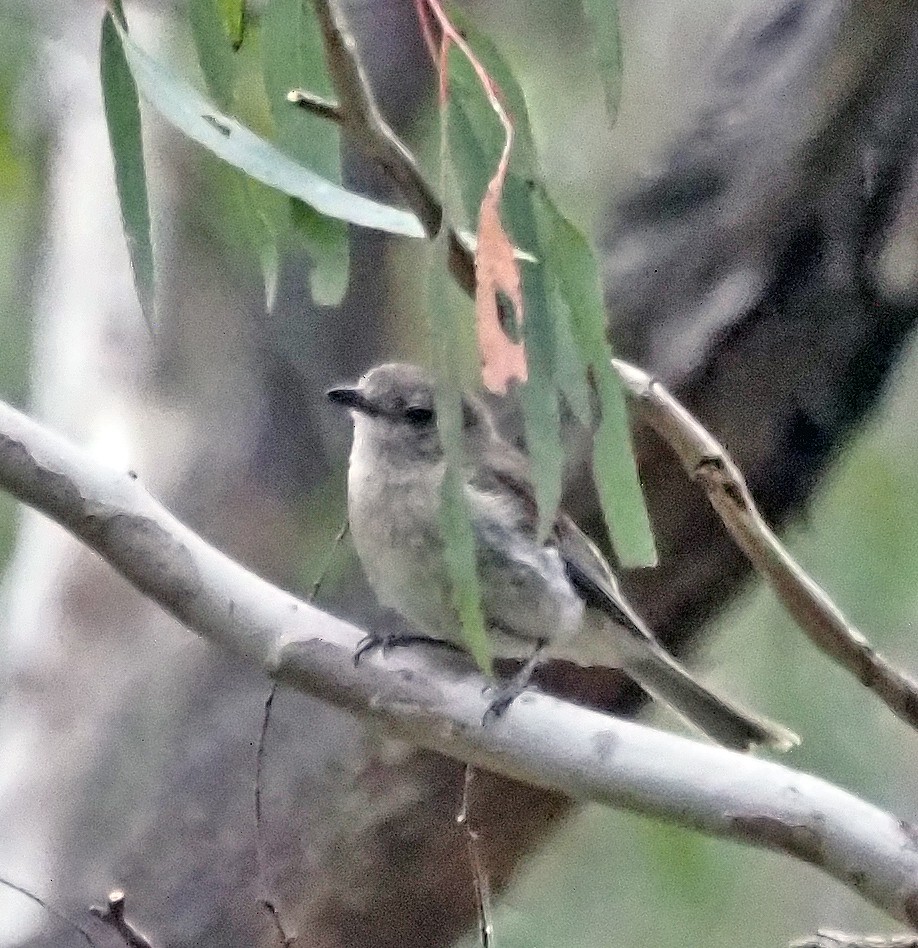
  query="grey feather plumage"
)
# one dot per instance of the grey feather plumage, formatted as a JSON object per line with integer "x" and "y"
{"x": 560, "y": 593}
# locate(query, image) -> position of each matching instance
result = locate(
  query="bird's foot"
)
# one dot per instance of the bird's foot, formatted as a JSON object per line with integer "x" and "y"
{"x": 388, "y": 640}
{"x": 508, "y": 691}
{"x": 503, "y": 696}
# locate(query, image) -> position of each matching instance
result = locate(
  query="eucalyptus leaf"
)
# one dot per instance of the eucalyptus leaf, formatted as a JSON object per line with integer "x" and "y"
{"x": 293, "y": 57}
{"x": 464, "y": 81}
{"x": 476, "y": 140}
{"x": 539, "y": 395}
{"x": 214, "y": 49}
{"x": 571, "y": 257}
{"x": 460, "y": 558}
{"x": 262, "y": 232}
{"x": 233, "y": 16}
{"x": 325, "y": 240}
{"x": 453, "y": 348}
{"x": 122, "y": 115}
{"x": 226, "y": 138}
{"x": 602, "y": 15}
{"x": 569, "y": 369}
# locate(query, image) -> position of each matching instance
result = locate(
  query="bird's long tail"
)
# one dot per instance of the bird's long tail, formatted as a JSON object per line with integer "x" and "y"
{"x": 665, "y": 679}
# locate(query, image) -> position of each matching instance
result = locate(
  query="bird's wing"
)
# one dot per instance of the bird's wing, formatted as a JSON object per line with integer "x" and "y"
{"x": 507, "y": 470}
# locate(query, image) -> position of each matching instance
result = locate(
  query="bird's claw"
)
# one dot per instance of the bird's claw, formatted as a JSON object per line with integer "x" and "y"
{"x": 369, "y": 644}
{"x": 504, "y": 696}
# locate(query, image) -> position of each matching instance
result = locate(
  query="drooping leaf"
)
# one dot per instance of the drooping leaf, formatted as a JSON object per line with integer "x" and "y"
{"x": 192, "y": 114}
{"x": 571, "y": 258}
{"x": 262, "y": 231}
{"x": 293, "y": 57}
{"x": 470, "y": 159}
{"x": 122, "y": 115}
{"x": 602, "y": 15}
{"x": 497, "y": 291}
{"x": 449, "y": 344}
{"x": 116, "y": 8}
{"x": 475, "y": 143}
{"x": 463, "y": 82}
{"x": 233, "y": 15}
{"x": 215, "y": 51}
{"x": 459, "y": 553}
{"x": 539, "y": 396}
{"x": 327, "y": 245}
{"x": 569, "y": 368}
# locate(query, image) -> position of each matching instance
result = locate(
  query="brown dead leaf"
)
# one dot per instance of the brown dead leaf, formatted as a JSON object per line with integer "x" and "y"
{"x": 498, "y": 276}
{"x": 497, "y": 270}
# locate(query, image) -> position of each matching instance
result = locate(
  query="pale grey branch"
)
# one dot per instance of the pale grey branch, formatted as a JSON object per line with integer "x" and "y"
{"x": 707, "y": 462}
{"x": 832, "y": 939}
{"x": 358, "y": 113}
{"x": 113, "y": 916}
{"x": 315, "y": 104}
{"x": 438, "y": 702}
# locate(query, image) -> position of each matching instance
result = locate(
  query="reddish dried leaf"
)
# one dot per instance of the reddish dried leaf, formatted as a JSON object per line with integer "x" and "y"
{"x": 496, "y": 266}
{"x": 498, "y": 276}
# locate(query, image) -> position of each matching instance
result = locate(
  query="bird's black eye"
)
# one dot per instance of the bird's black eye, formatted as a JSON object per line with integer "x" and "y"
{"x": 419, "y": 415}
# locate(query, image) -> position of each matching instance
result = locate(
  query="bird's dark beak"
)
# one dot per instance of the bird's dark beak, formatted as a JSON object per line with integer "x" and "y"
{"x": 350, "y": 398}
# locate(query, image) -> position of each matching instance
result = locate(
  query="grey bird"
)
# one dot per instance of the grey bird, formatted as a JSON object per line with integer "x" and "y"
{"x": 541, "y": 600}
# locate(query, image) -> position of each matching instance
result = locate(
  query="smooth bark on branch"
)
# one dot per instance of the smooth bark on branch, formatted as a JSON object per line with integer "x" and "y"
{"x": 416, "y": 696}
{"x": 706, "y": 461}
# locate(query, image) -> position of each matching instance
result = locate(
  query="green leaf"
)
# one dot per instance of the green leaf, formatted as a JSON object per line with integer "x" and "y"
{"x": 262, "y": 232}
{"x": 233, "y": 14}
{"x": 192, "y": 114}
{"x": 327, "y": 245}
{"x": 569, "y": 254}
{"x": 464, "y": 81}
{"x": 122, "y": 115}
{"x": 602, "y": 15}
{"x": 539, "y": 396}
{"x": 569, "y": 370}
{"x": 293, "y": 57}
{"x": 472, "y": 162}
{"x": 116, "y": 9}
{"x": 476, "y": 140}
{"x": 459, "y": 554}
{"x": 214, "y": 48}
{"x": 454, "y": 348}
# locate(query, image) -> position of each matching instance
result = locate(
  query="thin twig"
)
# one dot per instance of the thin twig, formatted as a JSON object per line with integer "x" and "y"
{"x": 479, "y": 876}
{"x": 825, "y": 938}
{"x": 113, "y": 916}
{"x": 316, "y": 105}
{"x": 361, "y": 117}
{"x": 51, "y": 910}
{"x": 326, "y": 568}
{"x": 706, "y": 461}
{"x": 267, "y": 901}
{"x": 358, "y": 113}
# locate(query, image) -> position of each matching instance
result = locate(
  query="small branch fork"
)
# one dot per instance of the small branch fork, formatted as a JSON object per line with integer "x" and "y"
{"x": 706, "y": 462}
{"x": 112, "y": 915}
{"x": 357, "y": 112}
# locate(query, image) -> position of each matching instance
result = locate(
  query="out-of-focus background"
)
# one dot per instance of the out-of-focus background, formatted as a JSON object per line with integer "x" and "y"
{"x": 114, "y": 758}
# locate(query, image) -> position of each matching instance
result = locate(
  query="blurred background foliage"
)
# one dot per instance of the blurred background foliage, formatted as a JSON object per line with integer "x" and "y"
{"x": 21, "y": 157}
{"x": 609, "y": 878}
